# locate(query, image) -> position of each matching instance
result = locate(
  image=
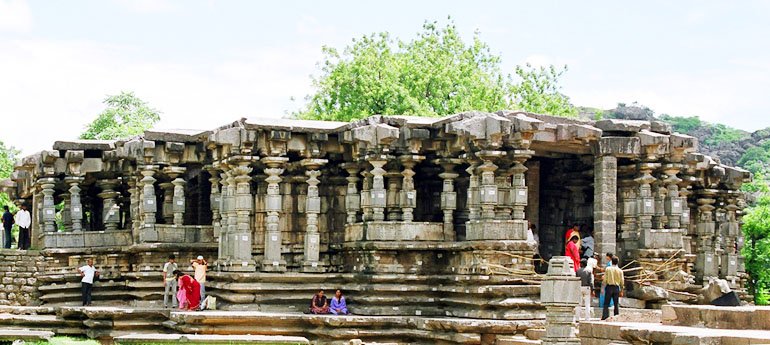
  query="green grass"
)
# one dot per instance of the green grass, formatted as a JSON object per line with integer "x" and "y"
{"x": 67, "y": 341}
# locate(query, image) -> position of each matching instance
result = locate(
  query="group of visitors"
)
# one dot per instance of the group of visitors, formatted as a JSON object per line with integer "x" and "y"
{"x": 322, "y": 305}
{"x": 186, "y": 292}
{"x": 580, "y": 248}
{"x": 23, "y": 220}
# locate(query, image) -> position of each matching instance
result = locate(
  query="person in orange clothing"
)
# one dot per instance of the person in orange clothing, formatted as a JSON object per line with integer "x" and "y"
{"x": 573, "y": 252}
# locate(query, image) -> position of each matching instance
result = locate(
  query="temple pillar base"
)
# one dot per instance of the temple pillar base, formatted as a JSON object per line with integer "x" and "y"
{"x": 273, "y": 266}
{"x": 490, "y": 229}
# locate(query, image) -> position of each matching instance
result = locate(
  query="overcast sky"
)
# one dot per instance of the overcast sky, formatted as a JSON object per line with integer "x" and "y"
{"x": 207, "y": 63}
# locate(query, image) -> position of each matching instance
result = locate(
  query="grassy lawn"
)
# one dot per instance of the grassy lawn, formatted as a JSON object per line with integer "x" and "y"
{"x": 67, "y": 341}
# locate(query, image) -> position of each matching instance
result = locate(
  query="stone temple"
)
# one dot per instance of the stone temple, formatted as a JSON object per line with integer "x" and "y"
{"x": 421, "y": 221}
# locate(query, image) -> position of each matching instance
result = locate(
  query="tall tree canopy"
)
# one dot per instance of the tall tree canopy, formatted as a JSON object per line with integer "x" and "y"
{"x": 8, "y": 155}
{"x": 756, "y": 249}
{"x": 125, "y": 115}
{"x": 435, "y": 74}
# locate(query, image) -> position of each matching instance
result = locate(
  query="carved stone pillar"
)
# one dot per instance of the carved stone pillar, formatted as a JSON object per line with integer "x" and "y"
{"x": 393, "y": 195}
{"x": 241, "y": 239}
{"x": 225, "y": 251}
{"x": 378, "y": 187}
{"x": 408, "y": 195}
{"x": 504, "y": 206}
{"x": 488, "y": 186}
{"x": 312, "y": 209}
{"x": 66, "y": 219}
{"x": 366, "y": 194}
{"x": 149, "y": 206}
{"x": 111, "y": 209}
{"x": 272, "y": 260}
{"x": 230, "y": 213}
{"x": 215, "y": 200}
{"x": 645, "y": 204}
{"x": 448, "y": 197}
{"x": 76, "y": 208}
{"x": 730, "y": 231}
{"x": 352, "y": 198}
{"x": 168, "y": 202}
{"x": 673, "y": 203}
{"x": 49, "y": 208}
{"x": 705, "y": 260}
{"x": 606, "y": 204}
{"x": 474, "y": 202}
{"x": 132, "y": 222}
{"x": 519, "y": 191}
{"x": 179, "y": 200}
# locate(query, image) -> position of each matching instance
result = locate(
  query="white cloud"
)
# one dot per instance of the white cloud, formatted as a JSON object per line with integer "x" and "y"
{"x": 52, "y": 89}
{"x": 15, "y": 16}
{"x": 147, "y": 6}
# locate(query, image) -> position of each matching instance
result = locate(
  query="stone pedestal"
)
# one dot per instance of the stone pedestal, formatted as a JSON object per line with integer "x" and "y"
{"x": 560, "y": 294}
{"x": 272, "y": 261}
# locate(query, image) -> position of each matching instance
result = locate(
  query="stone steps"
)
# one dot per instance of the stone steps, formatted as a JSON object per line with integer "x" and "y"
{"x": 603, "y": 333}
{"x": 515, "y": 340}
{"x": 41, "y": 323}
{"x": 25, "y": 335}
{"x": 339, "y": 328}
{"x": 161, "y": 339}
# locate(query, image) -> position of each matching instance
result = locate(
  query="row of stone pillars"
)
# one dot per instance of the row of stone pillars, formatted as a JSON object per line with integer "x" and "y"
{"x": 72, "y": 213}
{"x": 232, "y": 208}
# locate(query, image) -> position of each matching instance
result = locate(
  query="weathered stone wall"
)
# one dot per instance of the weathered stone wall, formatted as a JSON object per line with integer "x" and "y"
{"x": 18, "y": 277}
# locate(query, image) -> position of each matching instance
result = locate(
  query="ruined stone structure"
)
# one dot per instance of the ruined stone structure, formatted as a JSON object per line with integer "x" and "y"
{"x": 412, "y": 216}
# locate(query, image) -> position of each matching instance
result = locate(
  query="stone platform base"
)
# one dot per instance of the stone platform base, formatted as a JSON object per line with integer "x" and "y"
{"x": 164, "y": 325}
{"x": 683, "y": 325}
{"x": 160, "y": 339}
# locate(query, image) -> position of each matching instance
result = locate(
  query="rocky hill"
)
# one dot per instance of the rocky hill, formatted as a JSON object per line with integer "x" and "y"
{"x": 731, "y": 146}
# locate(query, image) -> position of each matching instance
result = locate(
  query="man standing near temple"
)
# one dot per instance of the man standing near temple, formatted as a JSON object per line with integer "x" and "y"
{"x": 614, "y": 279}
{"x": 24, "y": 220}
{"x": 7, "y": 225}
{"x": 200, "y": 266}
{"x": 87, "y": 272}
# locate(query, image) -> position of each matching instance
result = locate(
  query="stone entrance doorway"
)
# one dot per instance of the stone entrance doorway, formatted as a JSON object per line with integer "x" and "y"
{"x": 564, "y": 196}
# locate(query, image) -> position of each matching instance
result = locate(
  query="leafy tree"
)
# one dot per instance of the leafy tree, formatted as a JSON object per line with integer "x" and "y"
{"x": 756, "y": 250}
{"x": 7, "y": 160}
{"x": 435, "y": 74}
{"x": 683, "y": 124}
{"x": 126, "y": 115}
{"x": 538, "y": 91}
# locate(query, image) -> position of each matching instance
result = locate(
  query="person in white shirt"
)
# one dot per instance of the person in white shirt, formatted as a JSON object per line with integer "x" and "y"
{"x": 200, "y": 266}
{"x": 24, "y": 220}
{"x": 592, "y": 264}
{"x": 88, "y": 272}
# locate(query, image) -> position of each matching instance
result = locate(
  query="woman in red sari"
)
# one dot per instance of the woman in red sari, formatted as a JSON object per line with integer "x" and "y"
{"x": 189, "y": 295}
